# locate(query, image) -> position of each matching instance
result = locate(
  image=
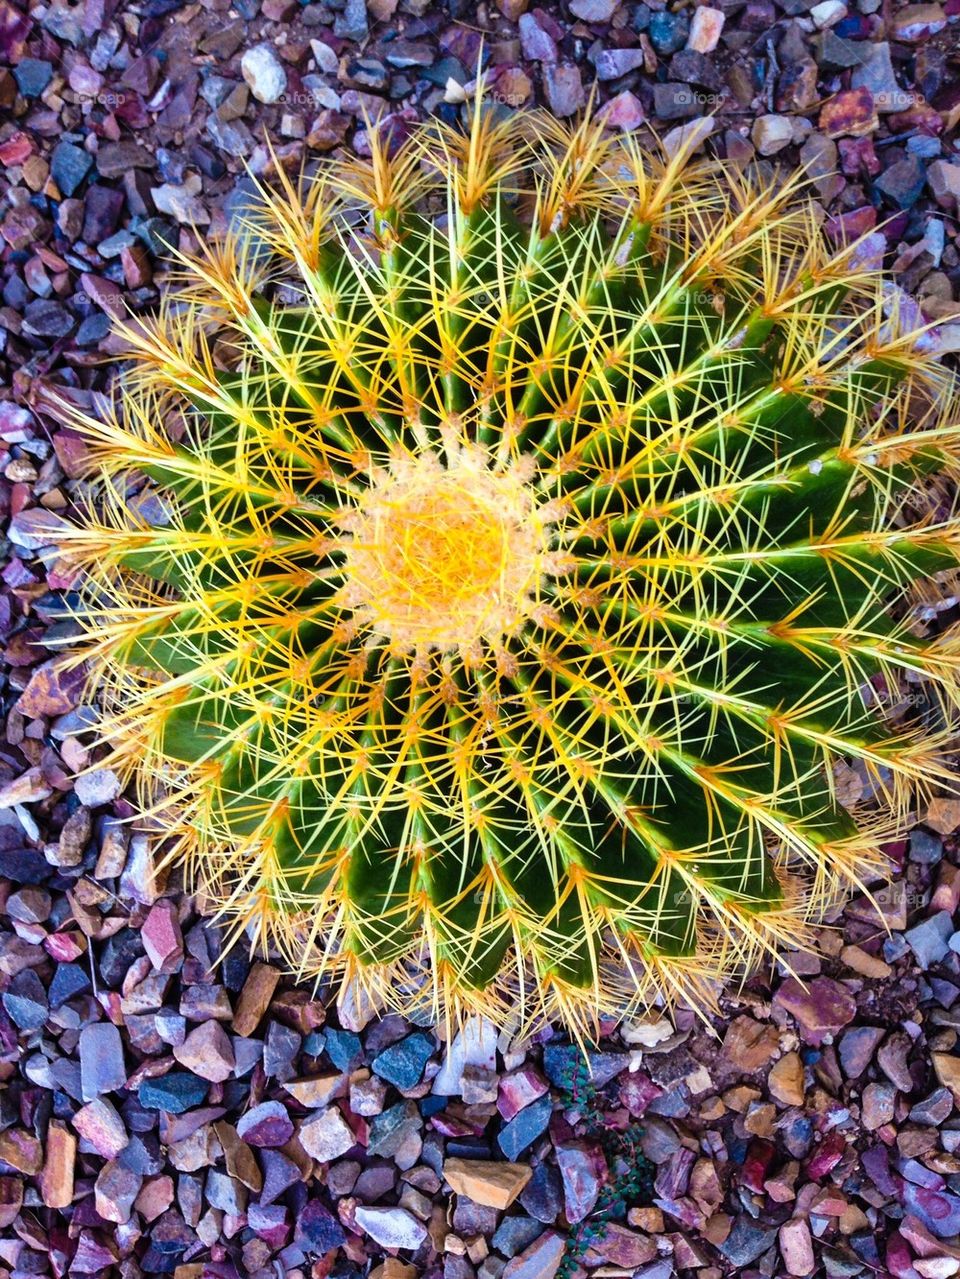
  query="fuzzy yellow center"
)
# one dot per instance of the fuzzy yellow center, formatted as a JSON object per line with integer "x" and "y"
{"x": 445, "y": 556}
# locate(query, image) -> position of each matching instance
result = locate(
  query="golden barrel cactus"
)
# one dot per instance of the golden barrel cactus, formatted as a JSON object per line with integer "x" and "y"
{"x": 502, "y": 546}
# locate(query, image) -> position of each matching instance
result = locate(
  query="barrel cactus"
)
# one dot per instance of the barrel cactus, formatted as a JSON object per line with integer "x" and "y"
{"x": 505, "y": 554}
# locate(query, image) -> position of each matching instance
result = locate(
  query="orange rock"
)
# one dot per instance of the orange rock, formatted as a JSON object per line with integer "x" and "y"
{"x": 494, "y": 1185}
{"x": 56, "y": 1180}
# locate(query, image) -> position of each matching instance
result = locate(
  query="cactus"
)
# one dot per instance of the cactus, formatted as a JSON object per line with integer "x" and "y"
{"x": 498, "y": 549}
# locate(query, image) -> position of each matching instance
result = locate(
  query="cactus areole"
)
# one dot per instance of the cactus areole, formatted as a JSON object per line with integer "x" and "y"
{"x": 503, "y": 573}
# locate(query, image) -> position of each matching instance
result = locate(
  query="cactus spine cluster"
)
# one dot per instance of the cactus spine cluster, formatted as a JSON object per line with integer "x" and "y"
{"x": 498, "y": 549}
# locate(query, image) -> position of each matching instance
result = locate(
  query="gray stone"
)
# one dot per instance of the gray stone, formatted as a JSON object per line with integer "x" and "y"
{"x": 930, "y": 940}
{"x": 102, "y": 1068}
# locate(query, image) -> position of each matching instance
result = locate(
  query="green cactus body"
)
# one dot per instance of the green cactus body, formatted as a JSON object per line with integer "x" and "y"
{"x": 536, "y": 515}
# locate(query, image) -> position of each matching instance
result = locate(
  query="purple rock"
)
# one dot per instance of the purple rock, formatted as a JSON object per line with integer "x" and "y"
{"x": 937, "y": 1209}
{"x": 580, "y": 1172}
{"x": 268, "y": 1124}
{"x": 279, "y": 1174}
{"x": 269, "y": 1222}
{"x": 857, "y": 1048}
{"x": 102, "y": 207}
{"x": 537, "y": 44}
{"x": 821, "y": 1008}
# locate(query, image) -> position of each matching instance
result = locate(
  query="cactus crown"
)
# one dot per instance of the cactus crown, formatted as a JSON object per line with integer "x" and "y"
{"x": 504, "y": 541}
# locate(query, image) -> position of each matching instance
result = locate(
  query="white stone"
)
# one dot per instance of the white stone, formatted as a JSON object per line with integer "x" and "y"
{"x": 705, "y": 29}
{"x": 474, "y": 1045}
{"x": 391, "y": 1227}
{"x": 264, "y": 73}
{"x": 771, "y": 133}
{"x": 327, "y": 1136}
{"x": 99, "y": 786}
{"x": 828, "y": 13}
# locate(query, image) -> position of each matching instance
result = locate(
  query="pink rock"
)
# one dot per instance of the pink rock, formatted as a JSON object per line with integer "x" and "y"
{"x": 899, "y": 1258}
{"x": 625, "y": 111}
{"x": 826, "y": 1156}
{"x": 796, "y": 1247}
{"x": 161, "y": 935}
{"x": 518, "y": 1089}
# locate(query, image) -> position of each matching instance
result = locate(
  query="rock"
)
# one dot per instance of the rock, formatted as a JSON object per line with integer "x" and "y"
{"x": 318, "y": 1090}
{"x": 264, "y": 73}
{"x": 930, "y": 940}
{"x": 785, "y": 1080}
{"x": 540, "y": 1261}
{"x": 53, "y": 689}
{"x": 668, "y": 31}
{"x": 391, "y": 1227}
{"x": 903, "y": 182}
{"x": 749, "y": 1045}
{"x": 402, "y": 1064}
{"x": 161, "y": 936}
{"x": 351, "y": 24}
{"x": 943, "y": 179}
{"x": 475, "y": 1044}
{"x": 594, "y": 10}
{"x": 536, "y": 43}
{"x": 327, "y": 1135}
{"x": 850, "y": 112}
{"x": 875, "y": 72}
{"x": 827, "y": 13}
{"x": 174, "y": 1092}
{"x": 563, "y": 86}
{"x": 578, "y": 1165}
{"x": 102, "y": 1067}
{"x": 317, "y": 1230}
{"x": 69, "y": 165}
{"x": 25, "y": 1001}
{"x": 877, "y": 1106}
{"x": 226, "y": 1193}
{"x": 705, "y": 28}
{"x": 56, "y": 1179}
{"x": 625, "y": 111}
{"x": 99, "y": 1124}
{"x": 796, "y": 1247}
{"x": 918, "y": 22}
{"x": 518, "y": 1089}
{"x": 771, "y": 133}
{"x": 268, "y": 1124}
{"x": 821, "y": 1008}
{"x": 947, "y": 1069}
{"x": 96, "y": 787}
{"x": 255, "y": 998}
{"x": 207, "y": 1052}
{"x": 938, "y": 1210}
{"x": 21, "y": 1150}
{"x": 857, "y": 1048}
{"x": 611, "y": 64}
{"x": 492, "y": 1184}
{"x": 746, "y": 1242}
{"x": 35, "y": 527}
{"x": 32, "y": 76}
{"x": 523, "y": 1130}
{"x": 115, "y": 1190}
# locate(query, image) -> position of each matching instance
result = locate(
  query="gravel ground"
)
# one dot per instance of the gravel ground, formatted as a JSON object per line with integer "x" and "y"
{"x": 160, "y": 1114}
